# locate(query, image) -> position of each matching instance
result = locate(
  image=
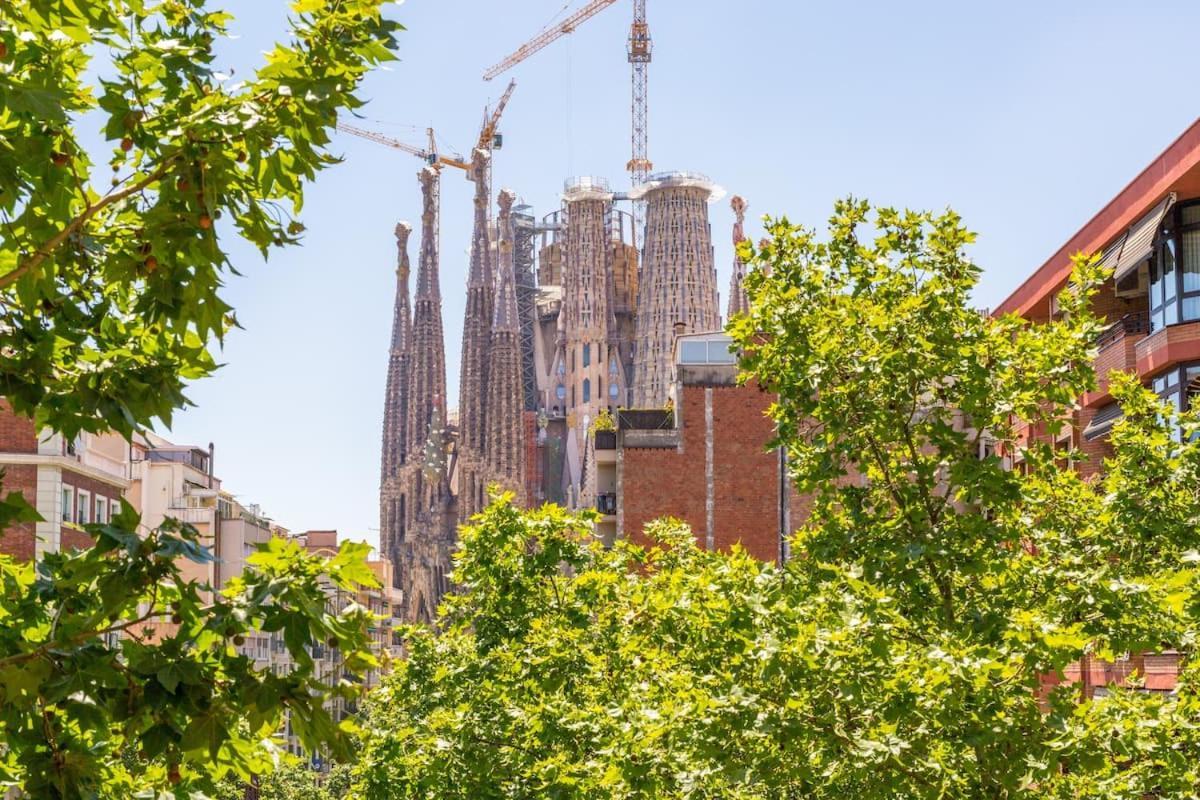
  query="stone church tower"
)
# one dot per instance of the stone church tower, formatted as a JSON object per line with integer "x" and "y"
{"x": 678, "y": 282}
{"x": 474, "y": 378}
{"x": 505, "y": 389}
{"x": 395, "y": 408}
{"x": 424, "y": 539}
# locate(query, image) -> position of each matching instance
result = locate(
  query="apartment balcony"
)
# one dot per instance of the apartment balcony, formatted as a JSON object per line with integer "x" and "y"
{"x": 1117, "y": 351}
{"x": 1166, "y": 347}
{"x": 191, "y": 514}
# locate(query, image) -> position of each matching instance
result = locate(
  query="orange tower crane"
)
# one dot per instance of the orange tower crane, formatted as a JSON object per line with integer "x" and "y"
{"x": 638, "y": 50}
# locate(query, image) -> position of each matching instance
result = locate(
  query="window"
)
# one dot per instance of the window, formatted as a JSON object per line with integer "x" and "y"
{"x": 587, "y": 355}
{"x": 1175, "y": 269}
{"x": 587, "y": 390}
{"x": 84, "y": 508}
{"x": 68, "y": 504}
{"x": 101, "y": 510}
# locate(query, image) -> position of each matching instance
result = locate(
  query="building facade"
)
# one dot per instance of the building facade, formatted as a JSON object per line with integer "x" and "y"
{"x": 542, "y": 357}
{"x": 1149, "y": 235}
{"x": 704, "y": 461}
{"x": 70, "y": 483}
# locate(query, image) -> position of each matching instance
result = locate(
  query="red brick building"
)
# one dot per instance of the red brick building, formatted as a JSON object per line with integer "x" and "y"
{"x": 71, "y": 483}
{"x": 704, "y": 461}
{"x": 1149, "y": 234}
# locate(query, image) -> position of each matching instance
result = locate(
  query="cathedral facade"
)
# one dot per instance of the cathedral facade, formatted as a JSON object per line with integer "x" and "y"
{"x": 542, "y": 357}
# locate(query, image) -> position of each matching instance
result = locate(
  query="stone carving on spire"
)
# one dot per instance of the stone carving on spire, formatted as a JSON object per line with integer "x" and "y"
{"x": 738, "y": 302}
{"x": 505, "y": 390}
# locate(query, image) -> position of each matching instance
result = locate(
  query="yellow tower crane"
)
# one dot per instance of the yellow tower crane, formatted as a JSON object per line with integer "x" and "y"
{"x": 489, "y": 138}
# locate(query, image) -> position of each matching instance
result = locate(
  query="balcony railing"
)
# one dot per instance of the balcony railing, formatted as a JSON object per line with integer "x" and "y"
{"x": 1135, "y": 322}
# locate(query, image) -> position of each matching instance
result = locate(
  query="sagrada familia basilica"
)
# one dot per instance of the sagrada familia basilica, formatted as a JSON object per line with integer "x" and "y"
{"x": 545, "y": 351}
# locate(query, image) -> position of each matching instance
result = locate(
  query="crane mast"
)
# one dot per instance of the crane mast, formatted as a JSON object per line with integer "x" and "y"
{"x": 639, "y": 50}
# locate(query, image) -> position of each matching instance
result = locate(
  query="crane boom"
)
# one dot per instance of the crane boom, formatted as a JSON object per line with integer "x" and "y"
{"x": 547, "y": 36}
{"x": 639, "y": 50}
{"x": 429, "y": 155}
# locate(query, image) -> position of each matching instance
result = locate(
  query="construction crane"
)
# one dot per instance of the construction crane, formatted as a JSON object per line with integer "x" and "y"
{"x": 638, "y": 50}
{"x": 489, "y": 138}
{"x": 547, "y": 36}
{"x": 429, "y": 155}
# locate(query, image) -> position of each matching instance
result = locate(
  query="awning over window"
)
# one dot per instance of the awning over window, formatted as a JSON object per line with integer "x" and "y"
{"x": 1113, "y": 252}
{"x": 1138, "y": 242}
{"x": 1102, "y": 423}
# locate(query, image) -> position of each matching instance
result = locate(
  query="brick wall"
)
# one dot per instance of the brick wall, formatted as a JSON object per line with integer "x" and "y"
{"x": 745, "y": 473}
{"x": 533, "y": 464}
{"x": 17, "y": 434}
{"x": 18, "y": 540}
{"x": 660, "y": 482}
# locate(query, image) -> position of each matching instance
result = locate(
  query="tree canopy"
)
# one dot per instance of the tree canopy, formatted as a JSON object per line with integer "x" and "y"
{"x": 949, "y": 573}
{"x": 111, "y": 264}
{"x": 118, "y": 676}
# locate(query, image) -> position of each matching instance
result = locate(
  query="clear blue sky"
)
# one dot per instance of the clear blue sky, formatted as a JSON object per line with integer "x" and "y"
{"x": 1025, "y": 116}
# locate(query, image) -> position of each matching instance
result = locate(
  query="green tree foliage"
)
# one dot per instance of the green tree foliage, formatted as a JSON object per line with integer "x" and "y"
{"x": 109, "y": 280}
{"x": 118, "y": 676}
{"x": 909, "y": 647}
{"x": 295, "y": 781}
{"x": 110, "y": 276}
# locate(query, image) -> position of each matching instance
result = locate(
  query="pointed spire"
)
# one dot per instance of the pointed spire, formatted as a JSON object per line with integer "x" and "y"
{"x": 738, "y": 302}
{"x": 505, "y": 388}
{"x": 396, "y": 397}
{"x": 427, "y": 267}
{"x": 506, "y": 317}
{"x": 477, "y": 324}
{"x": 427, "y": 365}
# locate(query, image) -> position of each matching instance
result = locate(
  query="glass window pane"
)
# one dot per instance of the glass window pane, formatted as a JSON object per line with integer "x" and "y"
{"x": 1191, "y": 308}
{"x": 1155, "y": 285}
{"x": 1191, "y": 261}
{"x": 1167, "y": 257}
{"x": 1171, "y": 312}
{"x": 1156, "y": 320}
{"x": 692, "y": 351}
{"x": 1190, "y": 214}
{"x": 720, "y": 352}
